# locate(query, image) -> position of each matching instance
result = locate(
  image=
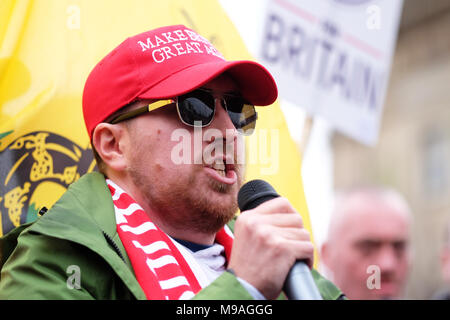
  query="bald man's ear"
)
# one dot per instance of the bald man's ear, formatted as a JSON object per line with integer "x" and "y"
{"x": 324, "y": 253}
{"x": 108, "y": 140}
{"x": 445, "y": 264}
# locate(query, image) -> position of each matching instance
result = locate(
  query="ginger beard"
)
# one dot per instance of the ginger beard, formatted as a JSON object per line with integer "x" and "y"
{"x": 184, "y": 196}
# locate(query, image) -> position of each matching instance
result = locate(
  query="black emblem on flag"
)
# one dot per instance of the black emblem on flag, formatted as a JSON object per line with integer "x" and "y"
{"x": 33, "y": 162}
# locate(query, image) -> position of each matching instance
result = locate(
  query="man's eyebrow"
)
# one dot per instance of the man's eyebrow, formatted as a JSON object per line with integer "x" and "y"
{"x": 370, "y": 242}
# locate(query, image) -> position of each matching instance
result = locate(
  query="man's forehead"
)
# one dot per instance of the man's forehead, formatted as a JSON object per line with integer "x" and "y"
{"x": 372, "y": 215}
{"x": 359, "y": 216}
{"x": 381, "y": 227}
{"x": 371, "y": 204}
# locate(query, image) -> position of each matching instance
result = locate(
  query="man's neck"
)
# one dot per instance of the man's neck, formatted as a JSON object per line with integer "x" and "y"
{"x": 181, "y": 234}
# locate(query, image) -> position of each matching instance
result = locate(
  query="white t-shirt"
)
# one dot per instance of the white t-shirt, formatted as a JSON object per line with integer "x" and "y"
{"x": 208, "y": 264}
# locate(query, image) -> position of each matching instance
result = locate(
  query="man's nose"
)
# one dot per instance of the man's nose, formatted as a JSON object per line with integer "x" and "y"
{"x": 387, "y": 259}
{"x": 222, "y": 122}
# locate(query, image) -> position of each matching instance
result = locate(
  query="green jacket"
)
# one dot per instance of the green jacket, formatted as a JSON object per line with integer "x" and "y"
{"x": 37, "y": 259}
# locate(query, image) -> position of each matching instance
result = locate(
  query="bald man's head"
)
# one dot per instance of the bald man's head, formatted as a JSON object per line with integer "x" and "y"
{"x": 367, "y": 250}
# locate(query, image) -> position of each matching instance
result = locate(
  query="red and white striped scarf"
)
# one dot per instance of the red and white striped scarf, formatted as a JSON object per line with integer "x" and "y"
{"x": 160, "y": 268}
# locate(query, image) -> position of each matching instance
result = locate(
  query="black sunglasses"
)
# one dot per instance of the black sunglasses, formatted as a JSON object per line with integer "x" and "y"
{"x": 197, "y": 108}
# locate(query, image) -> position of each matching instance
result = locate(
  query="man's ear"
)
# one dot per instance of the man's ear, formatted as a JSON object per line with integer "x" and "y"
{"x": 107, "y": 139}
{"x": 324, "y": 253}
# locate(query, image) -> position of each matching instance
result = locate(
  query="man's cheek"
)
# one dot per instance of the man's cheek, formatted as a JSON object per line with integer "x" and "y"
{"x": 240, "y": 171}
{"x": 180, "y": 147}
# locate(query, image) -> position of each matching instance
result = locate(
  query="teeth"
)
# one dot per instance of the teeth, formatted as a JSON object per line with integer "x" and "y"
{"x": 219, "y": 166}
{"x": 221, "y": 172}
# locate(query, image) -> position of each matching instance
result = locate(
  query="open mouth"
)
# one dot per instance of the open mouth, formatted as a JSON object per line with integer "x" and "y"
{"x": 222, "y": 168}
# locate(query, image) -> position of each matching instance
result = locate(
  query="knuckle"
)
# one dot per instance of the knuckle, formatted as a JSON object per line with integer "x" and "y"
{"x": 309, "y": 248}
{"x": 306, "y": 235}
{"x": 277, "y": 244}
{"x": 263, "y": 233}
{"x": 298, "y": 220}
{"x": 243, "y": 222}
{"x": 279, "y": 204}
{"x": 280, "y": 249}
{"x": 305, "y": 249}
{"x": 285, "y": 205}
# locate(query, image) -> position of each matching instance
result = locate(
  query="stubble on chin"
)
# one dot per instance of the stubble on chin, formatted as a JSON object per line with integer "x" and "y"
{"x": 184, "y": 206}
{"x": 217, "y": 206}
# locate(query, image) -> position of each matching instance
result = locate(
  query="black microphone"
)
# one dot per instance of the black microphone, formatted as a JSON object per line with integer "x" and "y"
{"x": 299, "y": 284}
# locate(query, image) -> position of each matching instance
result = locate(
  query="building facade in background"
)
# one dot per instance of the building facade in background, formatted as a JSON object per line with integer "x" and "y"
{"x": 413, "y": 151}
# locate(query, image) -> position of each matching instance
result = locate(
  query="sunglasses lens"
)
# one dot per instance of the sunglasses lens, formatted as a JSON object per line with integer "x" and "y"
{"x": 197, "y": 107}
{"x": 242, "y": 115}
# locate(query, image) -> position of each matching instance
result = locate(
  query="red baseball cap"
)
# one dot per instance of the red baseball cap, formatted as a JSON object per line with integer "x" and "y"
{"x": 165, "y": 63}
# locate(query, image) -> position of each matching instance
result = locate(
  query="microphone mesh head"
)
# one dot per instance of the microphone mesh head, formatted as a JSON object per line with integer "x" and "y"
{"x": 255, "y": 192}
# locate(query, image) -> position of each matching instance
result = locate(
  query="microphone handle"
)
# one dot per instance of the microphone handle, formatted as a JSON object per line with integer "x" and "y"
{"x": 299, "y": 284}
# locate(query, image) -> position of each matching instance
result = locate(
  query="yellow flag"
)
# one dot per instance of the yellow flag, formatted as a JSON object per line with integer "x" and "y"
{"x": 48, "y": 48}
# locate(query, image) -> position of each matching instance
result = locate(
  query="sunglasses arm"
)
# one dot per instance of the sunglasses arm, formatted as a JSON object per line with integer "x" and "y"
{"x": 134, "y": 113}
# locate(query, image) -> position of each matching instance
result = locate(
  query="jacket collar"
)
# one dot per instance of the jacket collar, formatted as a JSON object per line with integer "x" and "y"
{"x": 84, "y": 214}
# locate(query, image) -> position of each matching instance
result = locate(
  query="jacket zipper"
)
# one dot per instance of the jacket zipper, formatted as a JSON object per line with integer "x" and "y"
{"x": 113, "y": 245}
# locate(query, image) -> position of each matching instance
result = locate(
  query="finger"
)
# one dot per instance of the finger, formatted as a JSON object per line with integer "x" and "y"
{"x": 293, "y": 220}
{"x": 277, "y": 205}
{"x": 292, "y": 234}
{"x": 302, "y": 251}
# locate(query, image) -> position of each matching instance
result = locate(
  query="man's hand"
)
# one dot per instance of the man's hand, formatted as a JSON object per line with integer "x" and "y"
{"x": 268, "y": 241}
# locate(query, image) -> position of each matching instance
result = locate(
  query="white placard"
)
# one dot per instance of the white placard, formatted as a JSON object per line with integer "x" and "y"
{"x": 333, "y": 58}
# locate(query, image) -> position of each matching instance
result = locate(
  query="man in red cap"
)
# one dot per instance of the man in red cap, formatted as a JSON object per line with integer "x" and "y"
{"x": 149, "y": 226}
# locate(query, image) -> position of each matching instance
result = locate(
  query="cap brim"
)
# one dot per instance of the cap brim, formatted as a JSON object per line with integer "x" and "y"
{"x": 255, "y": 82}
